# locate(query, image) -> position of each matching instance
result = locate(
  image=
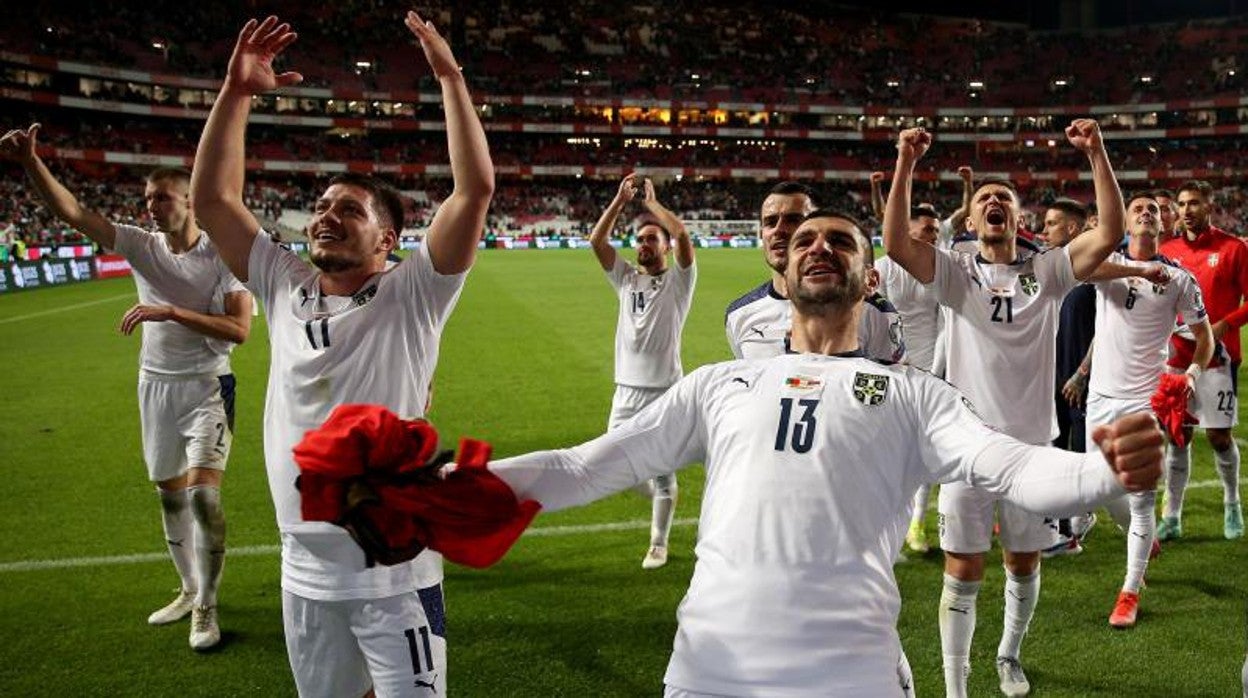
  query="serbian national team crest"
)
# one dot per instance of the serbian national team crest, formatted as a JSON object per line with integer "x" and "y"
{"x": 1213, "y": 259}
{"x": 1029, "y": 283}
{"x": 870, "y": 389}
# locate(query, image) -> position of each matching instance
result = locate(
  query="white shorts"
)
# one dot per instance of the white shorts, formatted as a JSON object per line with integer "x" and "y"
{"x": 186, "y": 422}
{"x": 395, "y": 645}
{"x": 1214, "y": 404}
{"x": 628, "y": 401}
{"x": 966, "y": 518}
{"x": 1103, "y": 409}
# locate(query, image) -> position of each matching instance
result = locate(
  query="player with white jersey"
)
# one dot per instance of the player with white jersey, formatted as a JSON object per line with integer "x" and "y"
{"x": 1000, "y": 335}
{"x": 352, "y": 330}
{"x": 194, "y": 311}
{"x": 922, "y": 318}
{"x": 1133, "y": 322}
{"x": 758, "y": 322}
{"x": 654, "y": 300}
{"x": 811, "y": 463}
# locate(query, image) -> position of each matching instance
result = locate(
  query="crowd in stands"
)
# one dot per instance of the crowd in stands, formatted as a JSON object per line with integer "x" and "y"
{"x": 676, "y": 49}
{"x": 117, "y": 194}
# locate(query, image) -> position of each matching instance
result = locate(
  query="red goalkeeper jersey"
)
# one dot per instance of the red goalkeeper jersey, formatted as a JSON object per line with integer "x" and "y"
{"x": 1219, "y": 261}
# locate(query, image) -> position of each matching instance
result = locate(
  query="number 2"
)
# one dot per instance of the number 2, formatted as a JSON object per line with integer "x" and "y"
{"x": 997, "y": 302}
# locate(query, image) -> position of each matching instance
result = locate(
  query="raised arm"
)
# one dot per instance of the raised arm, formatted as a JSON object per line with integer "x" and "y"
{"x": 957, "y": 220}
{"x": 682, "y": 244}
{"x": 1155, "y": 273}
{"x": 19, "y": 146}
{"x": 915, "y": 256}
{"x": 233, "y": 325}
{"x": 457, "y": 226}
{"x": 877, "y": 195}
{"x": 1088, "y": 250}
{"x": 217, "y": 178}
{"x": 600, "y": 237}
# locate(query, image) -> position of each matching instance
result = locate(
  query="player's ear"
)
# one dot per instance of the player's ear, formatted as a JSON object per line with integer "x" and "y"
{"x": 389, "y": 240}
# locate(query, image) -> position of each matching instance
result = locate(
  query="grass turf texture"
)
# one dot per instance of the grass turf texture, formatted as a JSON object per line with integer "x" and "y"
{"x": 526, "y": 364}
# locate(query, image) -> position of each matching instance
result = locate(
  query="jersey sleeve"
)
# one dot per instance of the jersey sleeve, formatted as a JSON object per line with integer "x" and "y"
{"x": 435, "y": 293}
{"x": 669, "y": 432}
{"x": 950, "y": 280}
{"x": 1191, "y": 302}
{"x": 959, "y": 446}
{"x": 1054, "y": 271}
{"x": 618, "y": 276}
{"x": 268, "y": 265}
{"x": 732, "y": 328}
{"x": 132, "y": 243}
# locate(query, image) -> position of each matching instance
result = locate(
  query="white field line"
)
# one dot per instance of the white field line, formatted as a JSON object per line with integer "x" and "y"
{"x": 65, "y": 308}
{"x": 261, "y": 550}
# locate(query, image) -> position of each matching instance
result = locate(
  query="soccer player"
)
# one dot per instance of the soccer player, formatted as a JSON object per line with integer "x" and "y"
{"x": 1134, "y": 319}
{"x": 950, "y": 227}
{"x": 921, "y": 317}
{"x": 654, "y": 302}
{"x": 1219, "y": 261}
{"x": 1000, "y": 335}
{"x": 194, "y": 311}
{"x": 812, "y": 460}
{"x": 1169, "y": 213}
{"x": 1064, "y": 220}
{"x": 347, "y": 330}
{"x": 758, "y": 322}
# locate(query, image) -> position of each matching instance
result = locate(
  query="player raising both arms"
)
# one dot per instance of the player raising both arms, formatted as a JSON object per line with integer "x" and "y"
{"x": 347, "y": 329}
{"x": 654, "y": 302}
{"x": 1000, "y": 341}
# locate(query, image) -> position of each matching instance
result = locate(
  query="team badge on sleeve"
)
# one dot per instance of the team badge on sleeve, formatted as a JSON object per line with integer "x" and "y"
{"x": 870, "y": 389}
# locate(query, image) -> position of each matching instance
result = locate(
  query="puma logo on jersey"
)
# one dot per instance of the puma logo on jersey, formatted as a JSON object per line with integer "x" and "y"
{"x": 742, "y": 381}
{"x": 427, "y": 684}
{"x": 758, "y": 330}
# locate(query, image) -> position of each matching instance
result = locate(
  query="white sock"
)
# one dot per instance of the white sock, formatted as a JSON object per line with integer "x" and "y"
{"x": 1139, "y": 538}
{"x": 209, "y": 541}
{"x": 957, "y": 629}
{"x": 1228, "y": 470}
{"x": 1119, "y": 509}
{"x": 1178, "y": 468}
{"x": 179, "y": 534}
{"x": 920, "y": 505}
{"x": 1021, "y": 595}
{"x": 663, "y": 508}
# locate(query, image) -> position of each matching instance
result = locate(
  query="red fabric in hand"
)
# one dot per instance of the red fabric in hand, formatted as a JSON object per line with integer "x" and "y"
{"x": 368, "y": 470}
{"x": 1169, "y": 403}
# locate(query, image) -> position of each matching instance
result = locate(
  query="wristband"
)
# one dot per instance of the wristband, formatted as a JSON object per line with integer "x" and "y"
{"x": 1194, "y": 371}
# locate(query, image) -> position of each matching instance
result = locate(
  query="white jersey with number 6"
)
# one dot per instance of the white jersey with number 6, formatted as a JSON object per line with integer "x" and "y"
{"x": 1134, "y": 318}
{"x": 379, "y": 346}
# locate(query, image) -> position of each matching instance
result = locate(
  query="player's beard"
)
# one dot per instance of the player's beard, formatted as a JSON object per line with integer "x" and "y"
{"x": 332, "y": 263}
{"x": 852, "y": 289}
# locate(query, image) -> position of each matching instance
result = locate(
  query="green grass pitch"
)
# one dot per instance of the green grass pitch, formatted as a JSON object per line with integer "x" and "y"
{"x": 525, "y": 364}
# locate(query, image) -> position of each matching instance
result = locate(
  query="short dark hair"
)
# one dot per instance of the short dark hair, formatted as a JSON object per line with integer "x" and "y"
{"x": 1150, "y": 194}
{"x": 1199, "y": 186}
{"x": 789, "y": 188}
{"x": 387, "y": 202}
{"x": 1070, "y": 207}
{"x": 868, "y": 247}
{"x": 165, "y": 174}
{"x": 646, "y": 219}
{"x": 923, "y": 210}
{"x": 1156, "y": 193}
{"x": 999, "y": 181}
